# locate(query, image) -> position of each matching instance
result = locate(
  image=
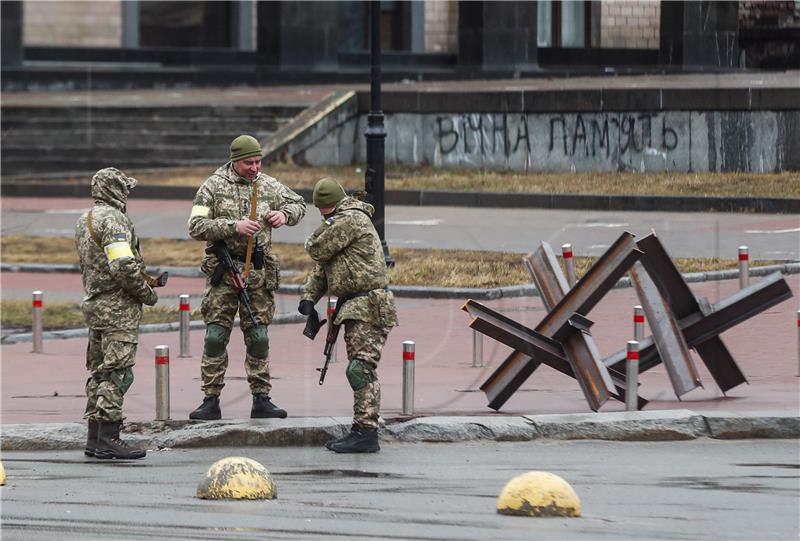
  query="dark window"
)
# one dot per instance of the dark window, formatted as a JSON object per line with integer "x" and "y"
{"x": 185, "y": 24}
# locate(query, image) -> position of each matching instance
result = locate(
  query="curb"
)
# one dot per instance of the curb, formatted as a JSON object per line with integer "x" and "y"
{"x": 19, "y": 338}
{"x": 427, "y": 292}
{"x": 664, "y": 425}
{"x": 425, "y": 198}
{"x": 412, "y": 292}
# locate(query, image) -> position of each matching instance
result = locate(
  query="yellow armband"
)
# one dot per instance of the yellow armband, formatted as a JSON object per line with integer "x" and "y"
{"x": 200, "y": 210}
{"x": 116, "y": 250}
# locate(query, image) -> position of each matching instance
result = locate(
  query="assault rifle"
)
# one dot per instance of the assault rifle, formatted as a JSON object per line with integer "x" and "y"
{"x": 331, "y": 337}
{"x": 227, "y": 264}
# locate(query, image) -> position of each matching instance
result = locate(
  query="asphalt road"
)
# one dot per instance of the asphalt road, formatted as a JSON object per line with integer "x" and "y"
{"x": 769, "y": 236}
{"x": 694, "y": 490}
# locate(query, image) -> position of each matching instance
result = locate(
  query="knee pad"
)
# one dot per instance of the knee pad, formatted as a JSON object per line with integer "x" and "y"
{"x": 258, "y": 342}
{"x": 359, "y": 374}
{"x": 216, "y": 340}
{"x": 123, "y": 379}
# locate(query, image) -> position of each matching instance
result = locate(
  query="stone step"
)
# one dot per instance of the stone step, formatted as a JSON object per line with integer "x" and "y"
{"x": 12, "y": 139}
{"x": 199, "y": 124}
{"x": 88, "y": 164}
{"x": 78, "y": 111}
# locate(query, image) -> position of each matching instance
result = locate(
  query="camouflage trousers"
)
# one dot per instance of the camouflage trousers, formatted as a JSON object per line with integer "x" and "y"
{"x": 365, "y": 342}
{"x": 220, "y": 305}
{"x": 110, "y": 356}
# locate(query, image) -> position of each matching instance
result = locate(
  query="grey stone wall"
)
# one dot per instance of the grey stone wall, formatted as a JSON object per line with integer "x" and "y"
{"x": 752, "y": 141}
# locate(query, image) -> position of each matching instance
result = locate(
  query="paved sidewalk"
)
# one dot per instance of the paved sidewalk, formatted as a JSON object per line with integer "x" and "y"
{"x": 48, "y": 388}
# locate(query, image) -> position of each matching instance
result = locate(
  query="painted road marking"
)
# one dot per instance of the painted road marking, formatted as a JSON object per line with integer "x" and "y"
{"x": 771, "y": 231}
{"x": 435, "y": 221}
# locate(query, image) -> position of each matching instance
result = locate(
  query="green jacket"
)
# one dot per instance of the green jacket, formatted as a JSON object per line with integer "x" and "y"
{"x": 110, "y": 260}
{"x": 349, "y": 259}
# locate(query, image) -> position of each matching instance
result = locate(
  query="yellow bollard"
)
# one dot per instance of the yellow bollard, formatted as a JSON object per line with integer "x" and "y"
{"x": 237, "y": 478}
{"x": 538, "y": 494}
{"x": 2, "y": 475}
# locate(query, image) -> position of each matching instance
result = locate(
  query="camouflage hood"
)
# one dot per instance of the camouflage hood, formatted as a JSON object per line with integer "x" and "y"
{"x": 111, "y": 186}
{"x": 351, "y": 203}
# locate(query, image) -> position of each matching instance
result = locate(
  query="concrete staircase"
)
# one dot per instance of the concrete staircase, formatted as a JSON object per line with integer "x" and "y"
{"x": 41, "y": 142}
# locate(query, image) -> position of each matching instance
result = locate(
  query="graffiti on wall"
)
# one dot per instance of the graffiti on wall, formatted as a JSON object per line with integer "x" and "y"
{"x": 577, "y": 135}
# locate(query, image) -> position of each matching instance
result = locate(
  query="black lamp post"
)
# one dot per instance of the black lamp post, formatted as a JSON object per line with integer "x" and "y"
{"x": 376, "y": 132}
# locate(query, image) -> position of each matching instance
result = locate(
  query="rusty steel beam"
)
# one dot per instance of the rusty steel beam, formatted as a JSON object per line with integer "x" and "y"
{"x": 669, "y": 340}
{"x": 614, "y": 263}
{"x": 683, "y": 304}
{"x": 584, "y": 358}
{"x": 531, "y": 350}
{"x": 546, "y": 273}
{"x": 701, "y": 332}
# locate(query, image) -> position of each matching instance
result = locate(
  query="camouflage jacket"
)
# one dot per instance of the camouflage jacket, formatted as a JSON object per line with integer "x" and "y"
{"x": 349, "y": 259}
{"x": 110, "y": 260}
{"x": 225, "y": 197}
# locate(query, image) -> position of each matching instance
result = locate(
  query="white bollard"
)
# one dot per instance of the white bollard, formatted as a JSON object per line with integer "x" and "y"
{"x": 632, "y": 376}
{"x": 408, "y": 377}
{"x": 185, "y": 313}
{"x": 798, "y": 343}
{"x": 638, "y": 323}
{"x": 37, "y": 306}
{"x": 744, "y": 267}
{"x": 162, "y": 383}
{"x": 331, "y": 309}
{"x": 569, "y": 263}
{"x": 477, "y": 349}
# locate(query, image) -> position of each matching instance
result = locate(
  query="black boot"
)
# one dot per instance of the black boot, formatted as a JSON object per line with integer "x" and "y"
{"x": 208, "y": 410}
{"x": 91, "y": 438}
{"x": 263, "y": 408}
{"x": 347, "y": 436}
{"x": 109, "y": 444}
{"x": 360, "y": 440}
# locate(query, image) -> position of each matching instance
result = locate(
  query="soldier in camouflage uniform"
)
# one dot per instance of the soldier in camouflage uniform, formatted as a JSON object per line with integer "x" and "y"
{"x": 350, "y": 265}
{"x": 112, "y": 272}
{"x": 221, "y": 210}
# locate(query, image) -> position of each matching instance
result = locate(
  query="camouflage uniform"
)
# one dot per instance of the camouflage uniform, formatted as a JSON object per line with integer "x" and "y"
{"x": 111, "y": 270}
{"x": 223, "y": 199}
{"x": 349, "y": 260}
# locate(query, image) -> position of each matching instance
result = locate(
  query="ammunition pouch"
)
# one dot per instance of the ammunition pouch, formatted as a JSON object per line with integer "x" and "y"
{"x": 258, "y": 258}
{"x": 218, "y": 274}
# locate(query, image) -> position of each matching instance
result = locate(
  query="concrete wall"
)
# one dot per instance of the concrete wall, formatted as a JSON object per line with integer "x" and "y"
{"x": 73, "y": 23}
{"x": 441, "y": 26}
{"x": 630, "y": 24}
{"x": 757, "y": 141}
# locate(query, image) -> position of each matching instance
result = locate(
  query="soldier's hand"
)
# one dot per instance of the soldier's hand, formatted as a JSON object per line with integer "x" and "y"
{"x": 150, "y": 297}
{"x": 275, "y": 218}
{"x": 306, "y": 307}
{"x": 247, "y": 227}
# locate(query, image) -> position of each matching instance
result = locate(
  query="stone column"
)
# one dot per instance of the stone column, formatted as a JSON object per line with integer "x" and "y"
{"x": 11, "y": 50}
{"x": 699, "y": 34}
{"x": 497, "y": 36}
{"x": 298, "y": 35}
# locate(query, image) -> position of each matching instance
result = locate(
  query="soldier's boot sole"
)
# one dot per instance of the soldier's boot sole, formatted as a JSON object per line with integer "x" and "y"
{"x": 107, "y": 454}
{"x": 363, "y": 443}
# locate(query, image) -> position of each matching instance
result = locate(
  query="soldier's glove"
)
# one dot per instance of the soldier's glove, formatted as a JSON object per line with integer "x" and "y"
{"x": 313, "y": 324}
{"x": 150, "y": 297}
{"x": 306, "y": 307}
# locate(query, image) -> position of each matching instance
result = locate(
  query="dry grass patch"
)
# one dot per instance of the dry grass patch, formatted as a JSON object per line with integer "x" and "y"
{"x": 786, "y": 184}
{"x": 414, "y": 266}
{"x": 16, "y": 314}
